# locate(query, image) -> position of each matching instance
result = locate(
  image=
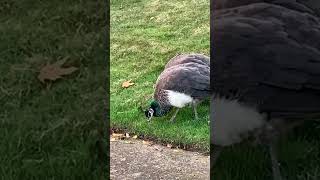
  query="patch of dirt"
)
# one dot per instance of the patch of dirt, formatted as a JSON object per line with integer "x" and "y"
{"x": 187, "y": 147}
{"x": 137, "y": 159}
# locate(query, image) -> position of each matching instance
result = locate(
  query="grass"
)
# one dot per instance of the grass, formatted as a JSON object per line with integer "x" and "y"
{"x": 299, "y": 156}
{"x": 51, "y": 133}
{"x": 145, "y": 34}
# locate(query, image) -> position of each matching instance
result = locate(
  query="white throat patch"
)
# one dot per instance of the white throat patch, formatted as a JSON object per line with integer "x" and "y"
{"x": 178, "y": 99}
{"x": 230, "y": 120}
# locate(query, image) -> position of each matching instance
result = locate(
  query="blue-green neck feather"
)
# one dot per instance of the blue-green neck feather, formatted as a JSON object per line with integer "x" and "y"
{"x": 160, "y": 110}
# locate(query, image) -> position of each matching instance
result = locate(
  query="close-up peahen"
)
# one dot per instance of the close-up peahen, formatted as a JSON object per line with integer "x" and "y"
{"x": 184, "y": 81}
{"x": 308, "y": 6}
{"x": 266, "y": 77}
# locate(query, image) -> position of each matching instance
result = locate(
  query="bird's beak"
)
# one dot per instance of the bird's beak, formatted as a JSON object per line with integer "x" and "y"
{"x": 149, "y": 119}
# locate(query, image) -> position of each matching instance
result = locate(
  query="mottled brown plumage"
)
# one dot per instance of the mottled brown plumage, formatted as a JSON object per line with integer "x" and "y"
{"x": 309, "y": 6}
{"x": 189, "y": 58}
{"x": 185, "y": 80}
{"x": 267, "y": 58}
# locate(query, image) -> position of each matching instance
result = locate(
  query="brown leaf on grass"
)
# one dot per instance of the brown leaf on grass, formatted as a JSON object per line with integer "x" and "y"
{"x": 127, "y": 84}
{"x": 135, "y": 137}
{"x": 55, "y": 71}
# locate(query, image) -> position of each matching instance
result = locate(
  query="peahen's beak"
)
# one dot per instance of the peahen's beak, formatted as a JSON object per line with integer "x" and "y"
{"x": 150, "y": 113}
{"x": 149, "y": 119}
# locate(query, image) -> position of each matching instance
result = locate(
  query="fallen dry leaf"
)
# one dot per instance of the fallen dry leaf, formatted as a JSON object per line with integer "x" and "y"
{"x": 113, "y": 139}
{"x": 147, "y": 143}
{"x": 127, "y": 84}
{"x": 135, "y": 137}
{"x": 128, "y": 142}
{"x": 117, "y": 136}
{"x": 169, "y": 145}
{"x": 158, "y": 148}
{"x": 176, "y": 150}
{"x": 55, "y": 71}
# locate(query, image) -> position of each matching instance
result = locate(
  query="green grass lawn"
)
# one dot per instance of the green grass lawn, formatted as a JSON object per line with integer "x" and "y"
{"x": 145, "y": 34}
{"x": 51, "y": 133}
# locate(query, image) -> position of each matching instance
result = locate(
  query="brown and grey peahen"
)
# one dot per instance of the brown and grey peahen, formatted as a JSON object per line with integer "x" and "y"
{"x": 309, "y": 6}
{"x": 184, "y": 81}
{"x": 266, "y": 77}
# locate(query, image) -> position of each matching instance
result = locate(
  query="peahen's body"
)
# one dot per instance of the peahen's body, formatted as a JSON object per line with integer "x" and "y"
{"x": 184, "y": 81}
{"x": 267, "y": 73}
{"x": 188, "y": 58}
{"x": 306, "y": 6}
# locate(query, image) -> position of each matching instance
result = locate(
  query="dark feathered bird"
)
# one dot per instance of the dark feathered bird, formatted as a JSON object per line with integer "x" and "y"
{"x": 266, "y": 76}
{"x": 185, "y": 80}
{"x": 188, "y": 58}
{"x": 308, "y": 6}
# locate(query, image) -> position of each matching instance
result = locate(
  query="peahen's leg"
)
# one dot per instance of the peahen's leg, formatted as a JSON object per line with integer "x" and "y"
{"x": 274, "y": 161}
{"x": 272, "y": 136}
{"x": 194, "y": 106}
{"x": 215, "y": 154}
{"x": 174, "y": 115}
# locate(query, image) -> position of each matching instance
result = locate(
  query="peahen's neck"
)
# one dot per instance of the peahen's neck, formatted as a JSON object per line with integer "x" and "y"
{"x": 160, "y": 109}
{"x": 163, "y": 110}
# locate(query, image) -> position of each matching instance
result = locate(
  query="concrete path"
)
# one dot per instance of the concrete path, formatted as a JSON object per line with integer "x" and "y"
{"x": 136, "y": 159}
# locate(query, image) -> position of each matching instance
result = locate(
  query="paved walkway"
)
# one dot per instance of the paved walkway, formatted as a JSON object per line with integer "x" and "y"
{"x": 136, "y": 159}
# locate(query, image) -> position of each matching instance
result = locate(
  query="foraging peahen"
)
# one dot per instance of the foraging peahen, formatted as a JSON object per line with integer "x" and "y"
{"x": 188, "y": 58}
{"x": 185, "y": 80}
{"x": 267, "y": 73}
{"x": 308, "y": 6}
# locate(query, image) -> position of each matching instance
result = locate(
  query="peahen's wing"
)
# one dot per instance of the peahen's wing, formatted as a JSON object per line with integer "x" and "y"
{"x": 268, "y": 56}
{"x": 188, "y": 58}
{"x": 306, "y": 6}
{"x": 189, "y": 78}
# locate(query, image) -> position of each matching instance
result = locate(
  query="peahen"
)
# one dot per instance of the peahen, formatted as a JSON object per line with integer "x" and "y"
{"x": 184, "y": 81}
{"x": 308, "y": 6}
{"x": 188, "y": 58}
{"x": 267, "y": 73}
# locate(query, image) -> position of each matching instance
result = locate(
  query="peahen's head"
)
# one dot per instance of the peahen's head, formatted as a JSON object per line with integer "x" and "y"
{"x": 152, "y": 110}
